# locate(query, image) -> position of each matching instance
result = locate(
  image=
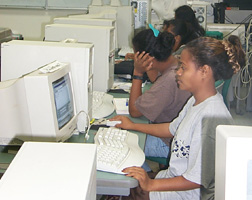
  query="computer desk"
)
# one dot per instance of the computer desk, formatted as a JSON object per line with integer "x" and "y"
{"x": 107, "y": 183}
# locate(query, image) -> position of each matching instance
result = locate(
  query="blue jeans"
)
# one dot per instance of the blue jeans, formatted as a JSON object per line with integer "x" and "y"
{"x": 154, "y": 146}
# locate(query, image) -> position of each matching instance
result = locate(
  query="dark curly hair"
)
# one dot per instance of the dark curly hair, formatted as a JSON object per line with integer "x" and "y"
{"x": 223, "y": 56}
{"x": 159, "y": 47}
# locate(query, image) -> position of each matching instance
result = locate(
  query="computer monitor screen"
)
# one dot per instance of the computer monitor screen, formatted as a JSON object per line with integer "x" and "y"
{"x": 63, "y": 100}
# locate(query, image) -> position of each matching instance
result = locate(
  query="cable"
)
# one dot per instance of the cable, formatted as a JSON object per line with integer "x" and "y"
{"x": 244, "y": 73}
{"x": 248, "y": 29}
{"x": 232, "y": 31}
{"x": 249, "y": 17}
{"x": 228, "y": 19}
{"x": 89, "y": 125}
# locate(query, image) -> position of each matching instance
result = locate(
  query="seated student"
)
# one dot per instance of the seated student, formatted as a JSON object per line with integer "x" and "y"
{"x": 191, "y": 171}
{"x": 187, "y": 14}
{"x": 163, "y": 101}
{"x": 182, "y": 31}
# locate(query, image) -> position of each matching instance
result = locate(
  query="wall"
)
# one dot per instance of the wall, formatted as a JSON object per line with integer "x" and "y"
{"x": 31, "y": 22}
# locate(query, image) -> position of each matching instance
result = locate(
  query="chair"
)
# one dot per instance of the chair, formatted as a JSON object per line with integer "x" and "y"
{"x": 162, "y": 161}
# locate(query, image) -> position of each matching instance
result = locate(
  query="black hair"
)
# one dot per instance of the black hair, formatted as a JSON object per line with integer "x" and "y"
{"x": 187, "y": 14}
{"x": 181, "y": 28}
{"x": 159, "y": 47}
{"x": 224, "y": 57}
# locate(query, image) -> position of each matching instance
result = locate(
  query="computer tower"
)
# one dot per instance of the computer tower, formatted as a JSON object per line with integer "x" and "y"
{"x": 103, "y": 38}
{"x": 20, "y": 57}
{"x": 46, "y": 170}
{"x": 124, "y": 19}
{"x": 142, "y": 13}
{"x": 200, "y": 13}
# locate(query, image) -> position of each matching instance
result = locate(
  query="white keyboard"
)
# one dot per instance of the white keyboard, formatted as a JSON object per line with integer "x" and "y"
{"x": 117, "y": 149}
{"x": 102, "y": 105}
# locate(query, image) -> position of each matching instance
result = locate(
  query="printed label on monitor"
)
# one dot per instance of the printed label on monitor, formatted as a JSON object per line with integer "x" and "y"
{"x": 63, "y": 100}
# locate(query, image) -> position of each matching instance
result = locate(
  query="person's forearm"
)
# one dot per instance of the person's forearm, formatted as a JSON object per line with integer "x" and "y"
{"x": 172, "y": 184}
{"x": 135, "y": 92}
{"x": 158, "y": 130}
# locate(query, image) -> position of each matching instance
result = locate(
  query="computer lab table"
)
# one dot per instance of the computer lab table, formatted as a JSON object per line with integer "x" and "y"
{"x": 110, "y": 183}
{"x": 107, "y": 183}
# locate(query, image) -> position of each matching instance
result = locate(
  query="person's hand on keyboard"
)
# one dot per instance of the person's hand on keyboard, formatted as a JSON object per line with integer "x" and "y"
{"x": 126, "y": 123}
{"x": 141, "y": 175}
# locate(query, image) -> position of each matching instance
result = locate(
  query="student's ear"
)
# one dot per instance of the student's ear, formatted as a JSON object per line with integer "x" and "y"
{"x": 206, "y": 70}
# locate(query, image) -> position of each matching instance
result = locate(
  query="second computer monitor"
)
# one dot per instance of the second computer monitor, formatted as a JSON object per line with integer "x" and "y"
{"x": 38, "y": 106}
{"x": 233, "y": 162}
{"x": 125, "y": 22}
{"x": 20, "y": 57}
{"x": 89, "y": 21}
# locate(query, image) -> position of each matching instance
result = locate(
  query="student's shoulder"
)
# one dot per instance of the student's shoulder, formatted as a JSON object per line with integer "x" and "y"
{"x": 216, "y": 107}
{"x": 169, "y": 75}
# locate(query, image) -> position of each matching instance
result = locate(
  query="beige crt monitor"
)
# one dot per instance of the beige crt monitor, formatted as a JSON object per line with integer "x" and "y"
{"x": 103, "y": 38}
{"x": 51, "y": 171}
{"x": 39, "y": 106}
{"x": 84, "y": 21}
{"x": 124, "y": 19}
{"x": 105, "y": 14}
{"x": 87, "y": 21}
{"x": 125, "y": 22}
{"x": 20, "y": 57}
{"x": 233, "y": 165}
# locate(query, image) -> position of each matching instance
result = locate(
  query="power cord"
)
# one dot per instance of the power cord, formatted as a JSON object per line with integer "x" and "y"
{"x": 244, "y": 74}
{"x": 249, "y": 17}
{"x": 89, "y": 124}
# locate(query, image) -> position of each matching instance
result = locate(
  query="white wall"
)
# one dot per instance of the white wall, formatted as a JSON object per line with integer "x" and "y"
{"x": 31, "y": 22}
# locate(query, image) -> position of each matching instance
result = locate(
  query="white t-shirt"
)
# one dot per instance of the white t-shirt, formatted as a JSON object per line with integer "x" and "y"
{"x": 186, "y": 155}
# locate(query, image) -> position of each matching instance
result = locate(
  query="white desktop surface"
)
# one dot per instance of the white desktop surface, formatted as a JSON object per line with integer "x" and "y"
{"x": 43, "y": 170}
